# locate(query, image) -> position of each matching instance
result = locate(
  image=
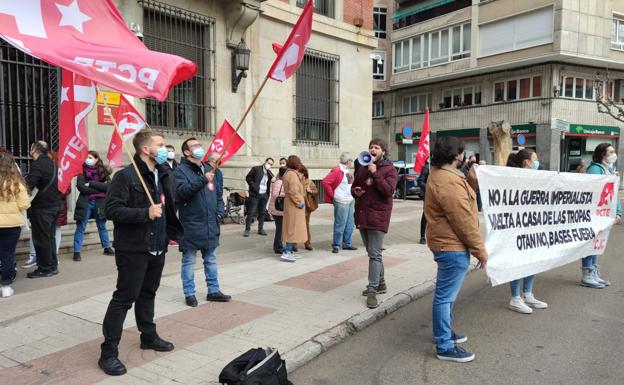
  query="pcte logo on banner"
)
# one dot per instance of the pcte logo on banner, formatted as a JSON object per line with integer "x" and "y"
{"x": 606, "y": 197}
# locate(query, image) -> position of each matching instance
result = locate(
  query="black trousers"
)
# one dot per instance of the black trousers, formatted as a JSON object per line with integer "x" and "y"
{"x": 43, "y": 226}
{"x": 277, "y": 241}
{"x": 256, "y": 206}
{"x": 138, "y": 278}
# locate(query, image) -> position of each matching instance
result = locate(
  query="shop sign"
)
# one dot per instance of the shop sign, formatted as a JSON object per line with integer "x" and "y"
{"x": 560, "y": 124}
{"x": 578, "y": 129}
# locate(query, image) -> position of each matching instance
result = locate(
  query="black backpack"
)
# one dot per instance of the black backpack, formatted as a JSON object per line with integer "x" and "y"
{"x": 256, "y": 367}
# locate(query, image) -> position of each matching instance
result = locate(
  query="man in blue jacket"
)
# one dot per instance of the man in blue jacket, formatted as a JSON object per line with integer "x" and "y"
{"x": 199, "y": 193}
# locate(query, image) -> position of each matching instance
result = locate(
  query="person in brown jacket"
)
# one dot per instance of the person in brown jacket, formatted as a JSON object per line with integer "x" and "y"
{"x": 311, "y": 203}
{"x": 452, "y": 235}
{"x": 373, "y": 189}
{"x": 294, "y": 223}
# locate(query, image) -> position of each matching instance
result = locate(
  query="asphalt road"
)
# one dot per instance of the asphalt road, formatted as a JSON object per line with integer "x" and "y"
{"x": 579, "y": 339}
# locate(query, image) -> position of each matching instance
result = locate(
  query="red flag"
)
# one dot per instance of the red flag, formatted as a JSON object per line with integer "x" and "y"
{"x": 129, "y": 122}
{"x": 226, "y": 131}
{"x": 423, "y": 145}
{"x": 90, "y": 38}
{"x": 290, "y": 55}
{"x": 77, "y": 100}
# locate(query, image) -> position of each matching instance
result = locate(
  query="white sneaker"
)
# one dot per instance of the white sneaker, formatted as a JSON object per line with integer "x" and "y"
{"x": 530, "y": 300}
{"x": 30, "y": 262}
{"x": 7, "y": 291}
{"x": 296, "y": 256}
{"x": 288, "y": 257}
{"x": 517, "y": 304}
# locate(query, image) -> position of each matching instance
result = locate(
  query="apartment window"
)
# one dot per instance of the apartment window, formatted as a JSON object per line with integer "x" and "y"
{"x": 416, "y": 103}
{"x": 316, "y": 98}
{"x": 378, "y": 108}
{"x": 322, "y": 7}
{"x": 432, "y": 48}
{"x": 378, "y": 67}
{"x": 515, "y": 89}
{"x": 526, "y": 30}
{"x": 581, "y": 88}
{"x": 461, "y": 96}
{"x": 379, "y": 22}
{"x": 617, "y": 33}
{"x": 190, "y": 105}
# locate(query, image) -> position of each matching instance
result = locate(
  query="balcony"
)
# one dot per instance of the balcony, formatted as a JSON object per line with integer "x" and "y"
{"x": 424, "y": 10}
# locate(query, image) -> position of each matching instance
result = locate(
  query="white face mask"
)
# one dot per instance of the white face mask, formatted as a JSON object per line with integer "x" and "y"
{"x": 612, "y": 158}
{"x": 170, "y": 155}
{"x": 267, "y": 166}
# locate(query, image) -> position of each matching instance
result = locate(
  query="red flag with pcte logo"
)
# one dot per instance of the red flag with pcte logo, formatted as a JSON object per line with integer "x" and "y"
{"x": 221, "y": 139}
{"x": 423, "y": 145}
{"x": 129, "y": 122}
{"x": 77, "y": 100}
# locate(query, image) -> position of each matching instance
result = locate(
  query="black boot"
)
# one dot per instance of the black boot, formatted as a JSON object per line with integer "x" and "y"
{"x": 112, "y": 366}
{"x": 109, "y": 251}
{"x": 77, "y": 256}
{"x": 157, "y": 344}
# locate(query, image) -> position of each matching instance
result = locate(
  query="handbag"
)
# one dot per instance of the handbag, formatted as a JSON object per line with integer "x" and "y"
{"x": 256, "y": 367}
{"x": 279, "y": 201}
{"x": 311, "y": 202}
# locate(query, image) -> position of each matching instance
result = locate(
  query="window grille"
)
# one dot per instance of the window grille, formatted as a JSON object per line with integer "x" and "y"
{"x": 322, "y": 7}
{"x": 29, "y": 110}
{"x": 190, "y": 105}
{"x": 317, "y": 99}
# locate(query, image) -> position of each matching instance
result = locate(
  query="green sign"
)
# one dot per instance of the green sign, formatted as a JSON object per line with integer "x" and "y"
{"x": 463, "y": 133}
{"x": 518, "y": 129}
{"x": 587, "y": 129}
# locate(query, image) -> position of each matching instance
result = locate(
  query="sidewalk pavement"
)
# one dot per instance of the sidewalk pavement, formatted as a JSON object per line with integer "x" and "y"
{"x": 50, "y": 330}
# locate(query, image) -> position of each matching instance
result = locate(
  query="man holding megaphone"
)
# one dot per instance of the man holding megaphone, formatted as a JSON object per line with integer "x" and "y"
{"x": 373, "y": 189}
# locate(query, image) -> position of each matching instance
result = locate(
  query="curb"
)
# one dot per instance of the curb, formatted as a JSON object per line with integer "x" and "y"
{"x": 312, "y": 348}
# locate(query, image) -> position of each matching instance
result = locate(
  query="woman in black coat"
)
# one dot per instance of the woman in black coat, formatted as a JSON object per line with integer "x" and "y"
{"x": 92, "y": 185}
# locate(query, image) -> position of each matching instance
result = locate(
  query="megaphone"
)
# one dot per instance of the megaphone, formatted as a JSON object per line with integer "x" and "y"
{"x": 364, "y": 158}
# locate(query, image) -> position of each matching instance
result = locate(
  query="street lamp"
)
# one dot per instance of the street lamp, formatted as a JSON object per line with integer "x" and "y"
{"x": 240, "y": 62}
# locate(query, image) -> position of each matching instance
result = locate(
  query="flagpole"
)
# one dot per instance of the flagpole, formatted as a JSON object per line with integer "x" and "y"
{"x": 125, "y": 147}
{"x": 240, "y": 123}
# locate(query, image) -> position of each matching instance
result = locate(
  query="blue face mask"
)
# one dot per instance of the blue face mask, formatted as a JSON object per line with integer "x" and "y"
{"x": 161, "y": 155}
{"x": 536, "y": 165}
{"x": 199, "y": 153}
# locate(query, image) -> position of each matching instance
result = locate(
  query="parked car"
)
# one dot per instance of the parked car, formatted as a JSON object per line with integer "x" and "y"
{"x": 406, "y": 184}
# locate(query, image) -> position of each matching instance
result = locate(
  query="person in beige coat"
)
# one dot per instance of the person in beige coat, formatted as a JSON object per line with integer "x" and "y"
{"x": 294, "y": 223}
{"x": 14, "y": 200}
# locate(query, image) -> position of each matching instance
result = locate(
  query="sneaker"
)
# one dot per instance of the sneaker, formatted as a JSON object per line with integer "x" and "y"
{"x": 456, "y": 354}
{"x": 458, "y": 338}
{"x": 335, "y": 250}
{"x": 218, "y": 297}
{"x": 589, "y": 280}
{"x": 518, "y": 305}
{"x": 371, "y": 300}
{"x": 77, "y": 256}
{"x": 30, "y": 262}
{"x": 190, "y": 300}
{"x": 349, "y": 247}
{"x": 246, "y": 233}
{"x": 109, "y": 251}
{"x": 262, "y": 232}
{"x": 7, "y": 291}
{"x": 530, "y": 300}
{"x": 38, "y": 273}
{"x": 288, "y": 257}
{"x": 381, "y": 289}
{"x": 598, "y": 278}
{"x": 296, "y": 256}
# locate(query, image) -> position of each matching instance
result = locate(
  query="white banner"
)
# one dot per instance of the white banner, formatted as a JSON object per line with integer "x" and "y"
{"x": 539, "y": 220}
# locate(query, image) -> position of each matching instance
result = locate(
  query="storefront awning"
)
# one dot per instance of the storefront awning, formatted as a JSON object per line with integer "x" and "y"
{"x": 420, "y": 9}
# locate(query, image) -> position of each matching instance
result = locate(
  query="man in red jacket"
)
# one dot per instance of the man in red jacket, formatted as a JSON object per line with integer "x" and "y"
{"x": 337, "y": 185}
{"x": 373, "y": 189}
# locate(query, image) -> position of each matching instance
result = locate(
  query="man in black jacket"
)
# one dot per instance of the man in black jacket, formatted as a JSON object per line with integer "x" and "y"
{"x": 259, "y": 182}
{"x": 44, "y": 209}
{"x": 142, "y": 230}
{"x": 422, "y": 183}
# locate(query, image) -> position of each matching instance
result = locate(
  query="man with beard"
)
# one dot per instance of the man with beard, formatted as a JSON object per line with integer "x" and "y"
{"x": 142, "y": 230}
{"x": 373, "y": 189}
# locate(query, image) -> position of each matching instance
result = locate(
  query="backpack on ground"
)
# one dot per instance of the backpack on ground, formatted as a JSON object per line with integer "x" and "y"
{"x": 256, "y": 367}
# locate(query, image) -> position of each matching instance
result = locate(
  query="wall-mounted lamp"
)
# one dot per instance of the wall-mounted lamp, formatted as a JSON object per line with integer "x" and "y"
{"x": 240, "y": 62}
{"x": 377, "y": 57}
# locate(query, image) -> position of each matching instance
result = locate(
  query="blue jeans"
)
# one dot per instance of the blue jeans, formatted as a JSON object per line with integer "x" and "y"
{"x": 589, "y": 261}
{"x": 452, "y": 268}
{"x": 343, "y": 223}
{"x": 289, "y": 247}
{"x": 527, "y": 285}
{"x": 8, "y": 240}
{"x": 209, "y": 255}
{"x": 81, "y": 226}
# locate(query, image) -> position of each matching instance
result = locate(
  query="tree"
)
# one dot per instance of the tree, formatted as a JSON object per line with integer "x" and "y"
{"x": 606, "y": 103}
